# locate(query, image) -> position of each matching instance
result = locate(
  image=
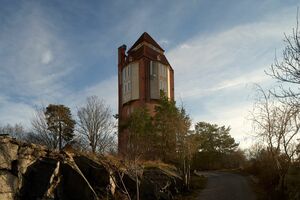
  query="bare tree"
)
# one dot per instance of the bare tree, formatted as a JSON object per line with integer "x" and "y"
{"x": 95, "y": 123}
{"x": 16, "y": 131}
{"x": 40, "y": 133}
{"x": 287, "y": 70}
{"x": 278, "y": 124}
{"x": 186, "y": 146}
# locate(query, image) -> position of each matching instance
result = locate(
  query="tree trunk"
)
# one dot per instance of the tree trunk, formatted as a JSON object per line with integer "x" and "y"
{"x": 189, "y": 176}
{"x": 93, "y": 145}
{"x": 137, "y": 186}
{"x": 281, "y": 186}
{"x": 137, "y": 181}
{"x": 60, "y": 135}
{"x": 184, "y": 172}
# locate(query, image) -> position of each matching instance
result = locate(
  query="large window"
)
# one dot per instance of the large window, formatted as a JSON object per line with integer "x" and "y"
{"x": 126, "y": 81}
{"x": 163, "y": 79}
{"x": 158, "y": 79}
{"x": 130, "y": 82}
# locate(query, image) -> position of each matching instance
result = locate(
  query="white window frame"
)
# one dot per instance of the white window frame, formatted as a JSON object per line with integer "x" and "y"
{"x": 151, "y": 67}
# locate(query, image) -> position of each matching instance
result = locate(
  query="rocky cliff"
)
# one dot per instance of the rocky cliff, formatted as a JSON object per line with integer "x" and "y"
{"x": 31, "y": 172}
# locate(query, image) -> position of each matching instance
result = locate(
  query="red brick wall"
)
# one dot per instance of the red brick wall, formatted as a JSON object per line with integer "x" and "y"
{"x": 143, "y": 56}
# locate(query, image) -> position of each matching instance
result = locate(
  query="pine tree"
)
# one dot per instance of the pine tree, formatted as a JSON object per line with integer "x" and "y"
{"x": 60, "y": 122}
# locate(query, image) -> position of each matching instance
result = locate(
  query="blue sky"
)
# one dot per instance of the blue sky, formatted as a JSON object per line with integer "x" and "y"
{"x": 64, "y": 51}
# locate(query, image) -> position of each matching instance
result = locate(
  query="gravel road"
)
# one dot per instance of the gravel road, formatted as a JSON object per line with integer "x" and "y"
{"x": 226, "y": 186}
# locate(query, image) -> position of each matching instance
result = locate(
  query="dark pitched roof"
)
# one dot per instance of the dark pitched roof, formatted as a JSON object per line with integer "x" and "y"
{"x": 145, "y": 37}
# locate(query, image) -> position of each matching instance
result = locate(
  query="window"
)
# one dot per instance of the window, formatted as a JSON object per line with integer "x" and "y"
{"x": 158, "y": 79}
{"x": 154, "y": 68}
{"x": 129, "y": 82}
{"x": 126, "y": 74}
{"x": 163, "y": 70}
{"x": 163, "y": 79}
{"x": 123, "y": 75}
{"x": 129, "y": 86}
{"x": 160, "y": 85}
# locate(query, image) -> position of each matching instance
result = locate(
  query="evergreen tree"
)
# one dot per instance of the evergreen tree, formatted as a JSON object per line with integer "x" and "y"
{"x": 166, "y": 126}
{"x": 141, "y": 138}
{"x": 59, "y": 121}
{"x": 214, "y": 146}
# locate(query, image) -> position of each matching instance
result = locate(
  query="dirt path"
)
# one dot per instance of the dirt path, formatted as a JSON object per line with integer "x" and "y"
{"x": 226, "y": 186}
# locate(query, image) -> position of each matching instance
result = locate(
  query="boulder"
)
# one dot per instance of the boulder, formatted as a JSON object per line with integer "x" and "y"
{"x": 159, "y": 183}
{"x": 31, "y": 172}
{"x": 8, "y": 185}
{"x": 95, "y": 173}
{"x": 36, "y": 179}
{"x": 8, "y": 153}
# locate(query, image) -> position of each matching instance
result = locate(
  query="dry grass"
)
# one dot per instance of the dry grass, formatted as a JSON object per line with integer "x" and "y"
{"x": 166, "y": 168}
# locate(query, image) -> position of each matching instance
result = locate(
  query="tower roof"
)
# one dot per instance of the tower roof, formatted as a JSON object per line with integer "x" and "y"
{"x": 145, "y": 37}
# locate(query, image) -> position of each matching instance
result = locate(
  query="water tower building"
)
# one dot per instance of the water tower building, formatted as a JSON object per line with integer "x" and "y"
{"x": 142, "y": 72}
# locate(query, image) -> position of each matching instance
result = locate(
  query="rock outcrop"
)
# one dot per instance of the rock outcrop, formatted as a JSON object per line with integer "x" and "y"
{"x": 31, "y": 172}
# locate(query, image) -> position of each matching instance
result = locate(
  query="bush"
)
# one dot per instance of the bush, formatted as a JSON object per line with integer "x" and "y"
{"x": 264, "y": 168}
{"x": 293, "y": 182}
{"x": 216, "y": 160}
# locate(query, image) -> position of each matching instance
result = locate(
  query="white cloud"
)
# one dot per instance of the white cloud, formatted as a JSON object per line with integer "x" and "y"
{"x": 15, "y": 112}
{"x": 34, "y": 59}
{"x": 35, "y": 63}
{"x": 237, "y": 117}
{"x": 164, "y": 42}
{"x": 213, "y": 72}
{"x": 228, "y": 54}
{"x": 257, "y": 76}
{"x": 185, "y": 46}
{"x": 106, "y": 89}
{"x": 47, "y": 57}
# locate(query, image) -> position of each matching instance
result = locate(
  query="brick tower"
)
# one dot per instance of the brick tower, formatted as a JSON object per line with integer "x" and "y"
{"x": 142, "y": 73}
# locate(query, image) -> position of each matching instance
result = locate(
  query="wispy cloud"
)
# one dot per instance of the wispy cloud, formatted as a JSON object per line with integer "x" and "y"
{"x": 214, "y": 73}
{"x": 106, "y": 89}
{"x": 33, "y": 58}
{"x": 58, "y": 52}
{"x": 237, "y": 117}
{"x": 206, "y": 60}
{"x": 15, "y": 112}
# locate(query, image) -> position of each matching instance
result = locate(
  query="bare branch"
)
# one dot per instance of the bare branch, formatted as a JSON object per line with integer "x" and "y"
{"x": 96, "y": 124}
